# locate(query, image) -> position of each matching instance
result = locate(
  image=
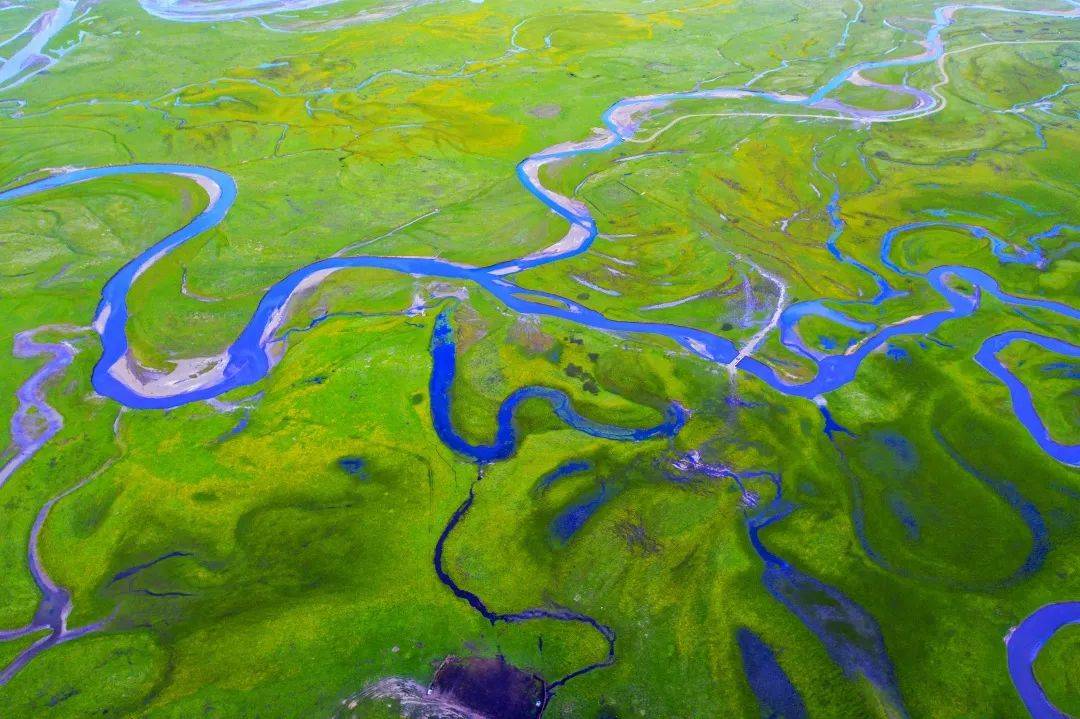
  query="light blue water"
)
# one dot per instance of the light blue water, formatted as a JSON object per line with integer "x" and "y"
{"x": 1022, "y": 647}
{"x": 248, "y": 360}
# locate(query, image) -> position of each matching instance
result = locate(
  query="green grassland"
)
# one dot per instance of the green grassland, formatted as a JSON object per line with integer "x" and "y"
{"x": 296, "y": 584}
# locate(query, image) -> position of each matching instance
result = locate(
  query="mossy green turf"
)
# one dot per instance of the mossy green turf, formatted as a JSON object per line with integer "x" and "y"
{"x": 301, "y": 584}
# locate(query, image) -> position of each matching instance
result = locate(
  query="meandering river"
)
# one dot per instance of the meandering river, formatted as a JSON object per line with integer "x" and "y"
{"x": 254, "y": 352}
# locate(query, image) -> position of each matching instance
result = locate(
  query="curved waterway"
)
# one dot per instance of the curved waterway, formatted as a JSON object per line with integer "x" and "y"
{"x": 35, "y": 422}
{"x": 444, "y": 354}
{"x": 225, "y": 10}
{"x": 1023, "y": 644}
{"x": 252, "y": 355}
{"x": 29, "y": 52}
{"x": 559, "y": 614}
{"x": 55, "y": 606}
{"x": 210, "y": 11}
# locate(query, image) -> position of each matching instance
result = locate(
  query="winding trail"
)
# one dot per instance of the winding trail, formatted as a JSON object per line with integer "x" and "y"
{"x": 252, "y": 355}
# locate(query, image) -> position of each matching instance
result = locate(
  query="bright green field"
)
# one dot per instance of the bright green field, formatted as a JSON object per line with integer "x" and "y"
{"x": 280, "y": 585}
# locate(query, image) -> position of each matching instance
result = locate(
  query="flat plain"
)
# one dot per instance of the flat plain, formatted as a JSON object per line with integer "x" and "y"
{"x": 562, "y": 358}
